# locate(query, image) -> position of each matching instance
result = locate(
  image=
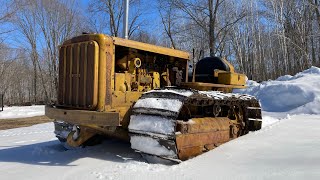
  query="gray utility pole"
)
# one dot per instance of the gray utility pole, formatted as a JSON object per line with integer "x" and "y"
{"x": 125, "y": 18}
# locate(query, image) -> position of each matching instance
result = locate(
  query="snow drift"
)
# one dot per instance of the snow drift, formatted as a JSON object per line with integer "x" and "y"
{"x": 298, "y": 94}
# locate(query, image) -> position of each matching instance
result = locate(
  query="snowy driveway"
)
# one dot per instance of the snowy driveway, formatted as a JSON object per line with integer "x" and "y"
{"x": 288, "y": 149}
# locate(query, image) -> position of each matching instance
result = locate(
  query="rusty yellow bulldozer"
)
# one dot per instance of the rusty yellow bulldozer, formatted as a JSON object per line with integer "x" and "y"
{"x": 142, "y": 93}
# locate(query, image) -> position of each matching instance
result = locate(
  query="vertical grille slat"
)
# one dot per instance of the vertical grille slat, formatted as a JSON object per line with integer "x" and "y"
{"x": 78, "y": 75}
{"x": 82, "y": 75}
{"x": 61, "y": 76}
{"x": 85, "y": 75}
{"x": 70, "y": 76}
{"x": 90, "y": 70}
{"x": 67, "y": 76}
{"x": 64, "y": 74}
{"x": 74, "y": 75}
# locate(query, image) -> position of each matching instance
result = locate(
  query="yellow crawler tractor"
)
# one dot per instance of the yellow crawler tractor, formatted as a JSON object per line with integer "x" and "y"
{"x": 142, "y": 93}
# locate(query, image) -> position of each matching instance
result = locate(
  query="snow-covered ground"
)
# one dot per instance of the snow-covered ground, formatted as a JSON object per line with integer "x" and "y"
{"x": 21, "y": 111}
{"x": 287, "y": 147}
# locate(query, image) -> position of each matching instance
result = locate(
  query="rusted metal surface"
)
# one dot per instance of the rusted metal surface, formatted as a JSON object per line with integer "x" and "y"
{"x": 84, "y": 117}
{"x": 206, "y": 124}
{"x": 151, "y": 48}
{"x": 209, "y": 86}
{"x": 65, "y": 132}
{"x": 75, "y": 140}
{"x": 109, "y": 59}
{"x": 202, "y": 134}
{"x": 205, "y": 121}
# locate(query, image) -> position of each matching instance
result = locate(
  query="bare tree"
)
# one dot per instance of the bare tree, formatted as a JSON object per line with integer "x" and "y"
{"x": 44, "y": 24}
{"x": 27, "y": 25}
{"x": 57, "y": 21}
{"x": 168, "y": 19}
{"x": 7, "y": 11}
{"x": 110, "y": 14}
{"x": 204, "y": 14}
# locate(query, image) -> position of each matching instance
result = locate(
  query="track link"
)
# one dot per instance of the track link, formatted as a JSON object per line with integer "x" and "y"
{"x": 165, "y": 120}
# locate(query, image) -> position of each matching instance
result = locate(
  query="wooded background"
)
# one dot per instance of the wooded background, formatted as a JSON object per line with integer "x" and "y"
{"x": 262, "y": 38}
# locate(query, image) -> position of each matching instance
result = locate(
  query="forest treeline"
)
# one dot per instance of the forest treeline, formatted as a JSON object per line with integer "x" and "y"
{"x": 262, "y": 38}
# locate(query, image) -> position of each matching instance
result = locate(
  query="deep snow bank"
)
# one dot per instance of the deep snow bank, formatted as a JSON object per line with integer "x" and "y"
{"x": 295, "y": 94}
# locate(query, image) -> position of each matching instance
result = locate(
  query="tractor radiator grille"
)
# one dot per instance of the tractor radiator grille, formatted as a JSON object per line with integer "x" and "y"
{"x": 78, "y": 75}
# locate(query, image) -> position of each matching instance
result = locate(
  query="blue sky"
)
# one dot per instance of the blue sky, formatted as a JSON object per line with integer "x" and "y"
{"x": 149, "y": 14}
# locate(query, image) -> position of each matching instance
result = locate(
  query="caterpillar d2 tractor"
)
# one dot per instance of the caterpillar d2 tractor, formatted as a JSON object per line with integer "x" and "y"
{"x": 142, "y": 93}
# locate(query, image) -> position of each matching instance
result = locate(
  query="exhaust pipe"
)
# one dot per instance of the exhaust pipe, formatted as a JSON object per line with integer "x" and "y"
{"x": 125, "y": 18}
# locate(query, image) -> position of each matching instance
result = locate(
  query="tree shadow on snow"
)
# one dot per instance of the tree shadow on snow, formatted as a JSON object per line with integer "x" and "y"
{"x": 52, "y": 153}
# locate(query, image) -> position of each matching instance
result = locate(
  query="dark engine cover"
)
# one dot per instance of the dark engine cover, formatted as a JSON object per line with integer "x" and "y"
{"x": 205, "y": 69}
